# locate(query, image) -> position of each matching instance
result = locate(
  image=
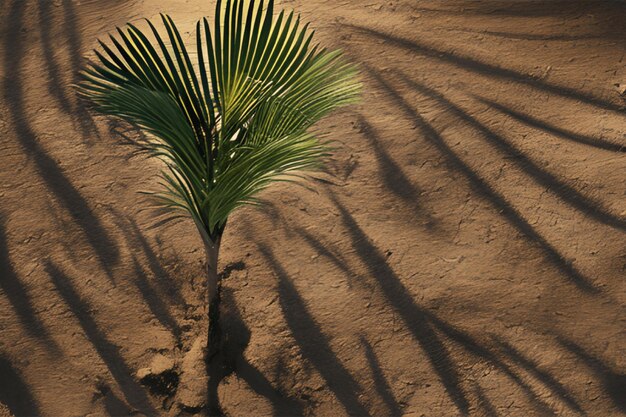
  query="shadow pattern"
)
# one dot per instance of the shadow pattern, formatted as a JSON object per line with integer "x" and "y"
{"x": 50, "y": 172}
{"x": 237, "y": 337}
{"x": 487, "y": 69}
{"x": 134, "y": 393}
{"x": 564, "y": 191}
{"x": 380, "y": 382}
{"x": 393, "y": 177}
{"x": 14, "y": 392}
{"x": 313, "y": 343}
{"x": 482, "y": 188}
{"x": 614, "y": 383}
{"x": 426, "y": 328}
{"x": 19, "y": 297}
{"x": 553, "y": 130}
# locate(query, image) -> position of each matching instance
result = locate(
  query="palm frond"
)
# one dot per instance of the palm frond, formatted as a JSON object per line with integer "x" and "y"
{"x": 234, "y": 120}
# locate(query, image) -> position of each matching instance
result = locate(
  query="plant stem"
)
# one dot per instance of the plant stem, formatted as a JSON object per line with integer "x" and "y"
{"x": 214, "y": 335}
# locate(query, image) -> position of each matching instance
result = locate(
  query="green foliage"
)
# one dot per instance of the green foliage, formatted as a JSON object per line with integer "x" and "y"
{"x": 231, "y": 119}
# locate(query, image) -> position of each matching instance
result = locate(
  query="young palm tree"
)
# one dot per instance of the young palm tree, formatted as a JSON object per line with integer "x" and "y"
{"x": 226, "y": 120}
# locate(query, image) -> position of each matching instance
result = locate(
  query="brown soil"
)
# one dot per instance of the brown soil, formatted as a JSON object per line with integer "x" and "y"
{"x": 464, "y": 253}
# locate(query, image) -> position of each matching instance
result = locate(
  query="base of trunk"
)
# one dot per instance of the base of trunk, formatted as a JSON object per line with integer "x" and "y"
{"x": 214, "y": 358}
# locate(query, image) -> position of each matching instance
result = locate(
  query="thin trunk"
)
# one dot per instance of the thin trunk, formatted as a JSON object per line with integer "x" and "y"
{"x": 214, "y": 339}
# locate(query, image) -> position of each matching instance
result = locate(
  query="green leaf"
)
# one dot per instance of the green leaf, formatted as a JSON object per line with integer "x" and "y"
{"x": 238, "y": 121}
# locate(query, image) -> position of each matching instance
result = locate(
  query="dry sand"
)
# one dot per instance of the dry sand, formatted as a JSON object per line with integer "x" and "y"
{"x": 464, "y": 253}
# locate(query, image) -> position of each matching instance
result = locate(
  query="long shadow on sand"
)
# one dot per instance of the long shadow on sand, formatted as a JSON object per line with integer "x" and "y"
{"x": 613, "y": 382}
{"x": 159, "y": 289}
{"x": 490, "y": 70}
{"x": 313, "y": 343}
{"x": 547, "y": 37}
{"x": 50, "y": 172}
{"x": 380, "y": 382}
{"x": 563, "y": 190}
{"x": 527, "y": 8}
{"x": 167, "y": 284}
{"x": 14, "y": 392}
{"x": 414, "y": 317}
{"x": 482, "y": 188}
{"x": 393, "y": 177}
{"x": 18, "y": 296}
{"x": 432, "y": 333}
{"x": 56, "y": 71}
{"x": 554, "y": 130}
{"x": 154, "y": 301}
{"x": 134, "y": 393}
{"x": 237, "y": 338}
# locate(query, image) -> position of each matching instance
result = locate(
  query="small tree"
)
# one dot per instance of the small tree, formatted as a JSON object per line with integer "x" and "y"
{"x": 226, "y": 122}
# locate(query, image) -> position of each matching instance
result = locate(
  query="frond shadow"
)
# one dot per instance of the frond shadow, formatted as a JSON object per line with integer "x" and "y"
{"x": 237, "y": 340}
{"x": 525, "y": 8}
{"x": 413, "y": 316}
{"x": 56, "y": 72}
{"x": 14, "y": 392}
{"x": 393, "y": 176}
{"x": 323, "y": 250}
{"x": 563, "y": 190}
{"x": 484, "y": 403}
{"x": 426, "y": 327}
{"x": 472, "y": 64}
{"x": 380, "y": 382}
{"x": 547, "y": 37}
{"x": 313, "y": 342}
{"x": 52, "y": 175}
{"x": 134, "y": 393}
{"x": 505, "y": 208}
{"x": 614, "y": 382}
{"x": 544, "y": 376}
{"x": 19, "y": 297}
{"x": 553, "y": 130}
{"x": 167, "y": 284}
{"x": 154, "y": 301}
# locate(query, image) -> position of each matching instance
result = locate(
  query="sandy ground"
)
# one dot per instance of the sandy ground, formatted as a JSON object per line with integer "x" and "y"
{"x": 464, "y": 253}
